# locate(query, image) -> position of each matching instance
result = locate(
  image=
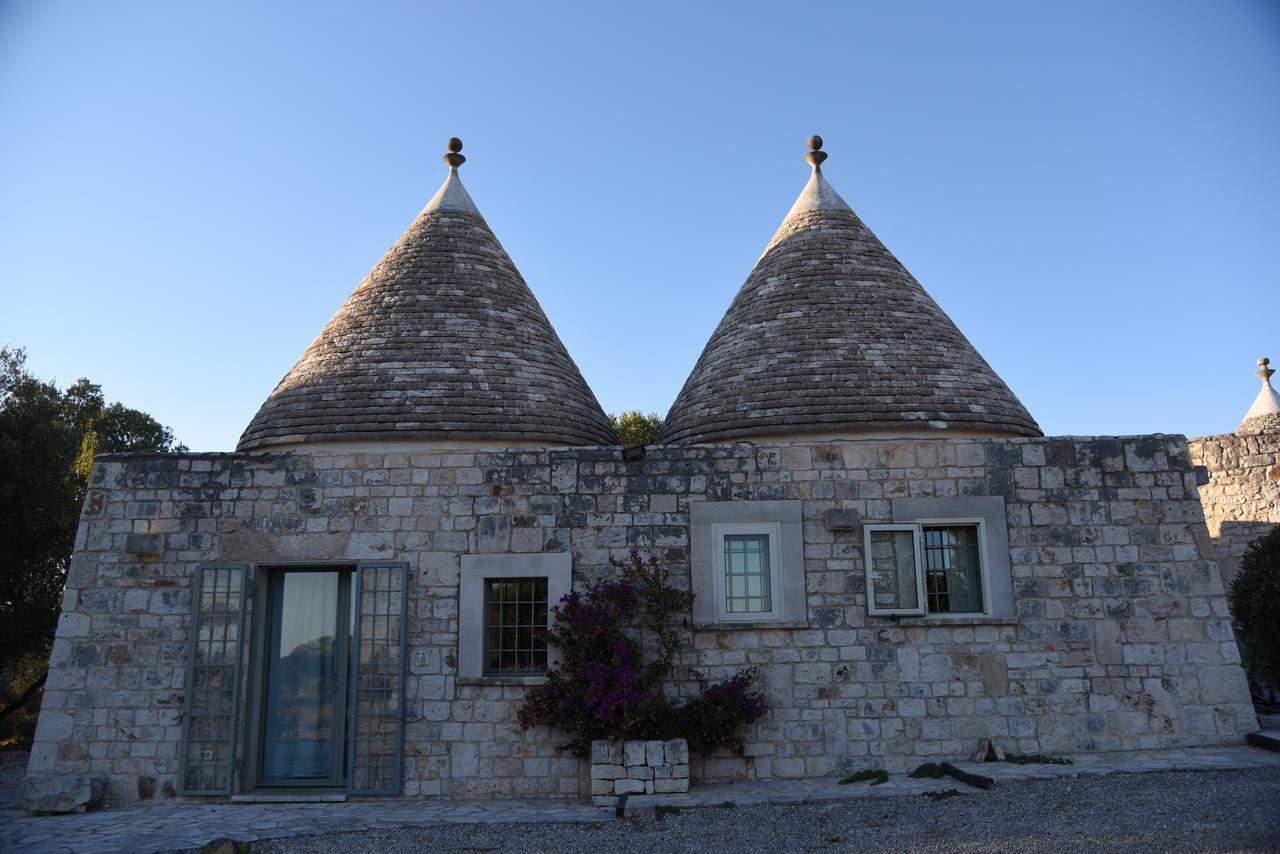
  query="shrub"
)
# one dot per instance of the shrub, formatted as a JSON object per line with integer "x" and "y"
{"x": 716, "y": 716}
{"x": 1036, "y": 759}
{"x": 928, "y": 770}
{"x": 1255, "y": 606}
{"x": 618, "y": 645}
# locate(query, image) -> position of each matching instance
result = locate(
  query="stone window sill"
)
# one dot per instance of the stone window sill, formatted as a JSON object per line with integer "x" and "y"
{"x": 942, "y": 621}
{"x": 502, "y": 680}
{"x": 748, "y": 624}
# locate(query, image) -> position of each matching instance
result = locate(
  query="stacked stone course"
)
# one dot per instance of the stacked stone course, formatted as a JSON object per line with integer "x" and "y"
{"x": 1242, "y": 498}
{"x": 1120, "y": 641}
{"x": 638, "y": 768}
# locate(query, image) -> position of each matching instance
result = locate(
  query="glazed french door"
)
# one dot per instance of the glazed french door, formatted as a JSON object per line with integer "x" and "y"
{"x": 306, "y": 666}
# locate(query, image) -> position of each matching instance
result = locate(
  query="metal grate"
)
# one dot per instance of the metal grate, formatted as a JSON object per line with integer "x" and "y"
{"x": 212, "y": 700}
{"x": 953, "y": 576}
{"x": 377, "y": 684}
{"x": 516, "y": 623}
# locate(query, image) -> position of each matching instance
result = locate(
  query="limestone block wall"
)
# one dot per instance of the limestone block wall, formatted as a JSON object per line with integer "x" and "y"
{"x": 1120, "y": 638}
{"x": 1241, "y": 501}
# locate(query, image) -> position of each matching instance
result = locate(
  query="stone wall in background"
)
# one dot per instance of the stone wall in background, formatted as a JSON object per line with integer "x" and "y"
{"x": 1242, "y": 498}
{"x": 1120, "y": 639}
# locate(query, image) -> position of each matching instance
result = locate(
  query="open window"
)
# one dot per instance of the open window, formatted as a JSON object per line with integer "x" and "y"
{"x": 326, "y": 707}
{"x": 927, "y": 567}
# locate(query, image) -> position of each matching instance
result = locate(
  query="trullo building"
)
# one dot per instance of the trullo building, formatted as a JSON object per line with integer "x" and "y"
{"x": 865, "y": 510}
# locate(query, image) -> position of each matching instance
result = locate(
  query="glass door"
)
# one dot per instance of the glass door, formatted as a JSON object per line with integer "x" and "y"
{"x": 304, "y": 689}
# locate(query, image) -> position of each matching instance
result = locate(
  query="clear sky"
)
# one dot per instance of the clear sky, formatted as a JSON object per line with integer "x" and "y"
{"x": 188, "y": 190}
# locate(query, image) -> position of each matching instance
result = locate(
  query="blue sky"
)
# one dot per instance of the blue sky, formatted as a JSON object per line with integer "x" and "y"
{"x": 1090, "y": 189}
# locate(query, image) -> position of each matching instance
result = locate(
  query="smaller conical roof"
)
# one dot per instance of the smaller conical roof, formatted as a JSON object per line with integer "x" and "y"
{"x": 831, "y": 335}
{"x": 443, "y": 340}
{"x": 1264, "y": 415}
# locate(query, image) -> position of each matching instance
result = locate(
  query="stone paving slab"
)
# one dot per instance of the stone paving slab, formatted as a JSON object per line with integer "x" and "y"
{"x": 1121, "y": 762}
{"x": 176, "y": 826}
{"x": 786, "y": 792}
{"x": 164, "y": 828}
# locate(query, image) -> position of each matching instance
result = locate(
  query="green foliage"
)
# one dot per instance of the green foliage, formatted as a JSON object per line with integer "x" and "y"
{"x": 1255, "y": 606}
{"x": 942, "y": 795}
{"x": 47, "y": 442}
{"x": 1036, "y": 759}
{"x": 874, "y": 776}
{"x": 636, "y": 428}
{"x": 928, "y": 770}
{"x": 617, "y": 643}
{"x": 728, "y": 805}
{"x": 661, "y": 811}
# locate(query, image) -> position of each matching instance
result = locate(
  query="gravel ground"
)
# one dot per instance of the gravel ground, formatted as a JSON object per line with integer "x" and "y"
{"x": 1182, "y": 811}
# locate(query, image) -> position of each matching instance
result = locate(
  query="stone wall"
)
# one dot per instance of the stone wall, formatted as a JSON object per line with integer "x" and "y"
{"x": 1242, "y": 498}
{"x": 1120, "y": 639}
{"x": 638, "y": 768}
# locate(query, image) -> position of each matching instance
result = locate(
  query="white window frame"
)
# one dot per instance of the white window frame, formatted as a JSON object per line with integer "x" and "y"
{"x": 772, "y": 530}
{"x": 916, "y": 536}
{"x": 918, "y": 527}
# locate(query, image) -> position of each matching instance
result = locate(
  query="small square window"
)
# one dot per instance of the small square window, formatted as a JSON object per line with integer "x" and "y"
{"x": 504, "y": 605}
{"x": 515, "y": 626}
{"x": 933, "y": 567}
{"x": 746, "y": 571}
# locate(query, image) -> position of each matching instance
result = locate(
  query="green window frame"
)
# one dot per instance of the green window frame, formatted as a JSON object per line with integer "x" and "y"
{"x": 211, "y": 695}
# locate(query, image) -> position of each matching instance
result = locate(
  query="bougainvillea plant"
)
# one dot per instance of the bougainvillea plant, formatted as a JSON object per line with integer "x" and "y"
{"x": 617, "y": 642}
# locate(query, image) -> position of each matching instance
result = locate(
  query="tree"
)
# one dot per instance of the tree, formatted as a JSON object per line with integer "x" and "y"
{"x": 636, "y": 428}
{"x": 1255, "y": 605}
{"x": 48, "y": 440}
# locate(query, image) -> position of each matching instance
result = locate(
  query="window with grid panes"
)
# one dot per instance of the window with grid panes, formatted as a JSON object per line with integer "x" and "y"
{"x": 932, "y": 567}
{"x": 746, "y": 574}
{"x": 953, "y": 569}
{"x": 515, "y": 626}
{"x": 746, "y": 571}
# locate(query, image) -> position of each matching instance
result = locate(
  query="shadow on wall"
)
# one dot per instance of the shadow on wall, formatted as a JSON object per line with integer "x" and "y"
{"x": 1232, "y": 541}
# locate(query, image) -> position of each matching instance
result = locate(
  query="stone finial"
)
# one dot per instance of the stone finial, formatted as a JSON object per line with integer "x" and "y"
{"x": 1266, "y": 406}
{"x": 816, "y": 155}
{"x": 454, "y": 158}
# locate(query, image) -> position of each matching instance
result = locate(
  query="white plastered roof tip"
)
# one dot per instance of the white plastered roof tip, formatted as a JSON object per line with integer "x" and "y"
{"x": 817, "y": 195}
{"x": 451, "y": 196}
{"x": 1266, "y": 403}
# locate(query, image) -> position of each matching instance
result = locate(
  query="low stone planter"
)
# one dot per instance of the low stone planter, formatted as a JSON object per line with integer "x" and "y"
{"x": 638, "y": 768}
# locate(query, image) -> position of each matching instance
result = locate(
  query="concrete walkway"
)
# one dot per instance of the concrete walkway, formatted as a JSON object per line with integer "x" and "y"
{"x": 178, "y": 826}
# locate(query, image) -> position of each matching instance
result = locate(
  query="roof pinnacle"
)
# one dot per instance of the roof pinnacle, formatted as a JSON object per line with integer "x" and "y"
{"x": 453, "y": 158}
{"x": 816, "y": 155}
{"x": 1267, "y": 403}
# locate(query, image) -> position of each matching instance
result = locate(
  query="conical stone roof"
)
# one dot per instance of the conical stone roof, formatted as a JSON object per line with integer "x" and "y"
{"x": 831, "y": 335}
{"x": 443, "y": 340}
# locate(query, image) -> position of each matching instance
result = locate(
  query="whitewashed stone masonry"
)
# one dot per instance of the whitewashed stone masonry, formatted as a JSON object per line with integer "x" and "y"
{"x": 1121, "y": 638}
